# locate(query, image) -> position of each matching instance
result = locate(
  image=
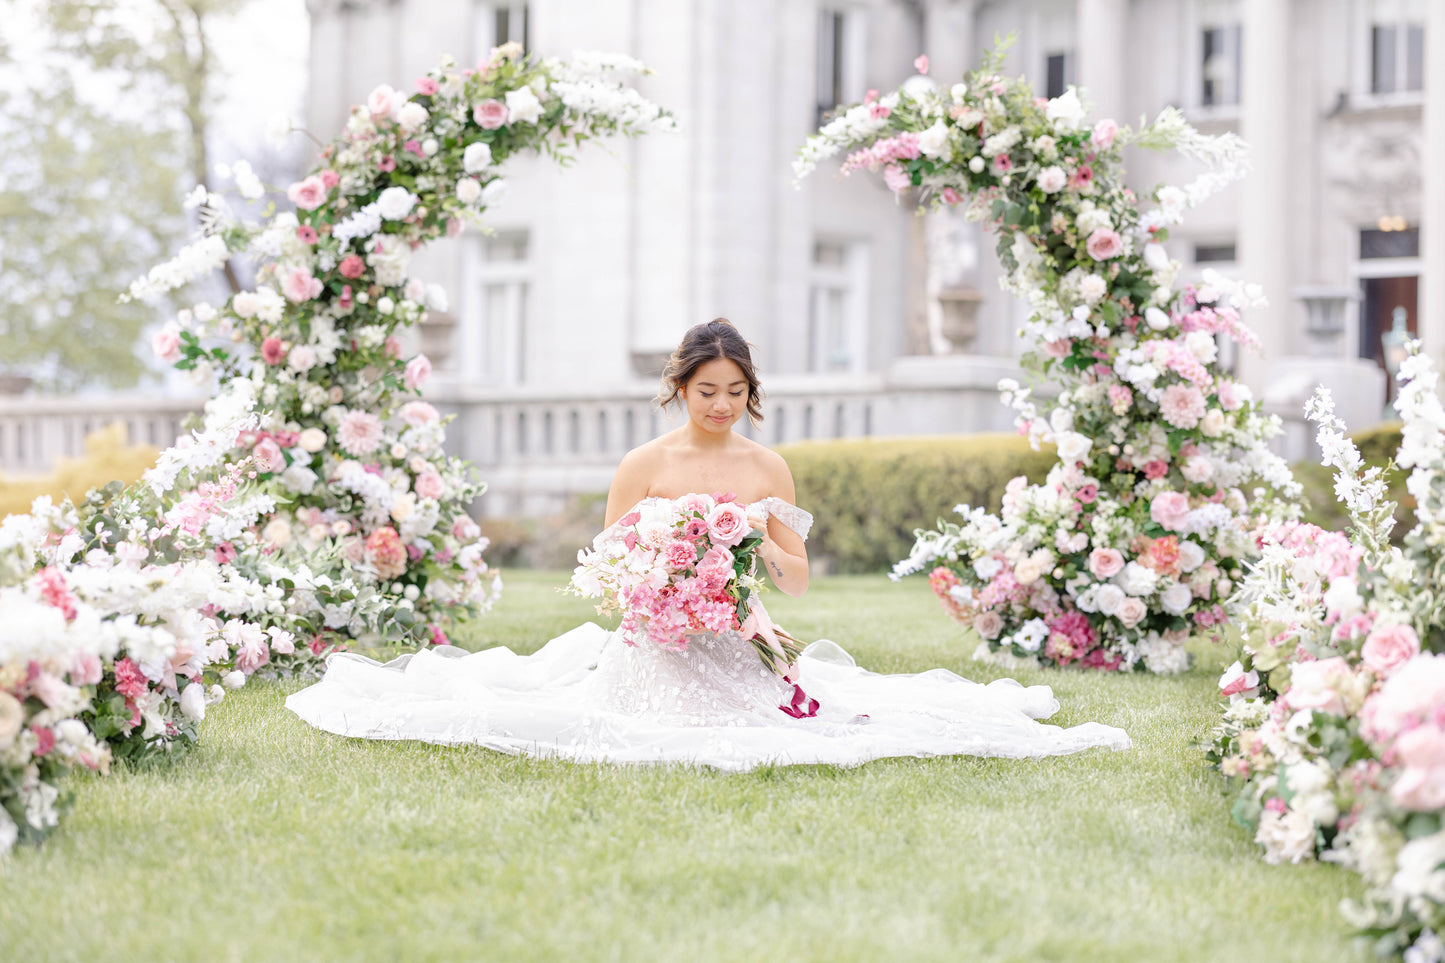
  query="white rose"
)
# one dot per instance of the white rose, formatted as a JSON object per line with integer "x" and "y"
{"x": 1201, "y": 344}
{"x": 495, "y": 190}
{"x": 469, "y": 190}
{"x": 430, "y": 146}
{"x": 302, "y": 358}
{"x": 72, "y": 732}
{"x": 1137, "y": 580}
{"x": 933, "y": 142}
{"x": 1065, "y": 111}
{"x": 193, "y": 702}
{"x": 277, "y": 533}
{"x": 476, "y": 157}
{"x": 395, "y": 203}
{"x": 523, "y": 106}
{"x": 1156, "y": 257}
{"x": 1073, "y": 447}
{"x": 402, "y": 506}
{"x": 1176, "y": 598}
{"x": 246, "y": 304}
{"x": 1052, "y": 179}
{"x": 312, "y": 439}
{"x": 1108, "y": 598}
{"x": 977, "y": 164}
{"x": 1156, "y": 319}
{"x": 385, "y": 305}
{"x": 411, "y": 115}
{"x": 1191, "y": 556}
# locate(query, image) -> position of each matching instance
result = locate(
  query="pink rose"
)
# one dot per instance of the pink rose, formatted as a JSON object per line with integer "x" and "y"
{"x": 1157, "y": 468}
{"x": 429, "y": 485}
{"x": 308, "y": 194}
{"x": 329, "y": 178}
{"x": 988, "y": 624}
{"x": 1170, "y": 509}
{"x": 268, "y": 456}
{"x": 299, "y": 285}
{"x": 1104, "y": 133}
{"x": 382, "y": 101}
{"x": 418, "y": 413}
{"x": 1229, "y": 398}
{"x": 728, "y": 524}
{"x": 490, "y": 114}
{"x": 695, "y": 502}
{"x": 273, "y": 350}
{"x": 418, "y": 369}
{"x": 716, "y": 561}
{"x": 1131, "y": 612}
{"x": 1106, "y": 562}
{"x": 352, "y": 266}
{"x": 1314, "y": 685}
{"x": 1104, "y": 244}
{"x": 1421, "y": 787}
{"x": 1388, "y": 647}
{"x": 167, "y": 344}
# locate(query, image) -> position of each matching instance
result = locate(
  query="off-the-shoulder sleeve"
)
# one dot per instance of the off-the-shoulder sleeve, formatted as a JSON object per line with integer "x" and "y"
{"x": 790, "y": 515}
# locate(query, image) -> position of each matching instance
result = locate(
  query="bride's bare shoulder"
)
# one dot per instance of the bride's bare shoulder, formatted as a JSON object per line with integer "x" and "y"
{"x": 770, "y": 465}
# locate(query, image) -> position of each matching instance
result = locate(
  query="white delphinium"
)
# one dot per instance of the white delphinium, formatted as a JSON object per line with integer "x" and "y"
{"x": 194, "y": 261}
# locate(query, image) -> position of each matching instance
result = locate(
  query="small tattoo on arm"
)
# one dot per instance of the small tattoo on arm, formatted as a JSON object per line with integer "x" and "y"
{"x": 777, "y": 569}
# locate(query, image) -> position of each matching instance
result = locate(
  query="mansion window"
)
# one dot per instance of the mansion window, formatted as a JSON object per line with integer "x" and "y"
{"x": 496, "y": 23}
{"x": 1397, "y": 57}
{"x": 838, "y": 306}
{"x": 841, "y": 56}
{"x": 495, "y": 348}
{"x": 1400, "y": 240}
{"x": 1223, "y": 253}
{"x": 1219, "y": 66}
{"x": 1058, "y": 72}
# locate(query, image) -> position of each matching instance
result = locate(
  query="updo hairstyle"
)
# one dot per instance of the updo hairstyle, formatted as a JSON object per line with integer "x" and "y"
{"x": 708, "y": 342}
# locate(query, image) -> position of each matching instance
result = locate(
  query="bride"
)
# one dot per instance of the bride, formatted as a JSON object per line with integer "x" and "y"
{"x": 588, "y": 696}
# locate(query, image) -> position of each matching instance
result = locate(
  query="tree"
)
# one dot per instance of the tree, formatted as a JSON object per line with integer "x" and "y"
{"x": 107, "y": 131}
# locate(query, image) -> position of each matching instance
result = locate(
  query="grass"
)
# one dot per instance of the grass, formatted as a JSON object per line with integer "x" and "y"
{"x": 274, "y": 841}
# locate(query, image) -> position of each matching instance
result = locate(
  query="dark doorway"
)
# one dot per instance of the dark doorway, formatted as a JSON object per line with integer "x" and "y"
{"x": 1379, "y": 299}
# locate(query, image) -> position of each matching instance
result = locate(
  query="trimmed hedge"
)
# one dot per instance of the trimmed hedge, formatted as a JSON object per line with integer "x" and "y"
{"x": 868, "y": 495}
{"x": 107, "y": 458}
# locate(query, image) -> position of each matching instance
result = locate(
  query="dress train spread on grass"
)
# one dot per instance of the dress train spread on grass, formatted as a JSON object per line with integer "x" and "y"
{"x": 587, "y": 696}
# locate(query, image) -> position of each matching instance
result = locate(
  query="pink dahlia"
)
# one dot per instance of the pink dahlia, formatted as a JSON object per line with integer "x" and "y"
{"x": 359, "y": 433}
{"x": 1182, "y": 405}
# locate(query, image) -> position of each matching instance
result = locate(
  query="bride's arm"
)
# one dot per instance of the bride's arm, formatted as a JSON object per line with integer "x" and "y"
{"x": 629, "y": 485}
{"x": 782, "y": 551}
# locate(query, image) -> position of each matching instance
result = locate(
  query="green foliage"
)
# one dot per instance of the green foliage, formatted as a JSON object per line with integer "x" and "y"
{"x": 868, "y": 496}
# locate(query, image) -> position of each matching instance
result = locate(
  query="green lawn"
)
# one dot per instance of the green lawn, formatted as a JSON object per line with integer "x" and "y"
{"x": 274, "y": 841}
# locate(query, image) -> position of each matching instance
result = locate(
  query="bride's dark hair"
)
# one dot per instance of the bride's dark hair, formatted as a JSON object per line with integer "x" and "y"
{"x": 708, "y": 342}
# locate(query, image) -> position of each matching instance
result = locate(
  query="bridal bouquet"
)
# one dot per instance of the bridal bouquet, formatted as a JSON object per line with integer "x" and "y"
{"x": 676, "y": 568}
{"x": 1334, "y": 736}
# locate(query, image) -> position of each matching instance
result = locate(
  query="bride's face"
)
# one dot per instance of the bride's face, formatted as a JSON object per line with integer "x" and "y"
{"x": 717, "y": 395}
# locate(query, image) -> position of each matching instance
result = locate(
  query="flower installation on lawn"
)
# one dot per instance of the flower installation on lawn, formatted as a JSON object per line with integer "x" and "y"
{"x": 315, "y": 505}
{"x": 1334, "y": 736}
{"x": 1138, "y": 535}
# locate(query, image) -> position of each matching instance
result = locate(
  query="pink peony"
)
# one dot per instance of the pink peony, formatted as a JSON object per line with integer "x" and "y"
{"x": 1104, "y": 244}
{"x": 429, "y": 485}
{"x": 1131, "y": 612}
{"x": 1182, "y": 405}
{"x": 696, "y": 503}
{"x": 268, "y": 455}
{"x": 298, "y": 285}
{"x": 1170, "y": 509}
{"x": 1104, "y": 133}
{"x": 359, "y": 433}
{"x": 273, "y": 350}
{"x": 418, "y": 369}
{"x": 490, "y": 114}
{"x": 308, "y": 194}
{"x": 728, "y": 524}
{"x": 167, "y": 344}
{"x": 1106, "y": 562}
{"x": 382, "y": 101}
{"x": 1388, "y": 647}
{"x": 352, "y": 266}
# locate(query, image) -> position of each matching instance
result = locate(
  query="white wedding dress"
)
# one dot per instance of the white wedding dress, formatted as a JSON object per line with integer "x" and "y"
{"x": 589, "y": 697}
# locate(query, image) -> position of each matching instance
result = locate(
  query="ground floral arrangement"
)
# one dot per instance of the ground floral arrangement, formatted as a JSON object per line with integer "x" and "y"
{"x": 1334, "y": 736}
{"x": 314, "y": 506}
{"x": 1138, "y": 535}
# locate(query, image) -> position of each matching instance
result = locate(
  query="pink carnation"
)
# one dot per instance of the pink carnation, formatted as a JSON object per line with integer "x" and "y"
{"x": 1182, "y": 405}
{"x": 1104, "y": 244}
{"x": 359, "y": 433}
{"x": 679, "y": 555}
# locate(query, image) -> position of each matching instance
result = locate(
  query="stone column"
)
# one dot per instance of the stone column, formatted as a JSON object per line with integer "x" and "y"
{"x": 1431, "y": 316}
{"x": 948, "y": 39}
{"x": 1264, "y": 229}
{"x": 1099, "y": 33}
